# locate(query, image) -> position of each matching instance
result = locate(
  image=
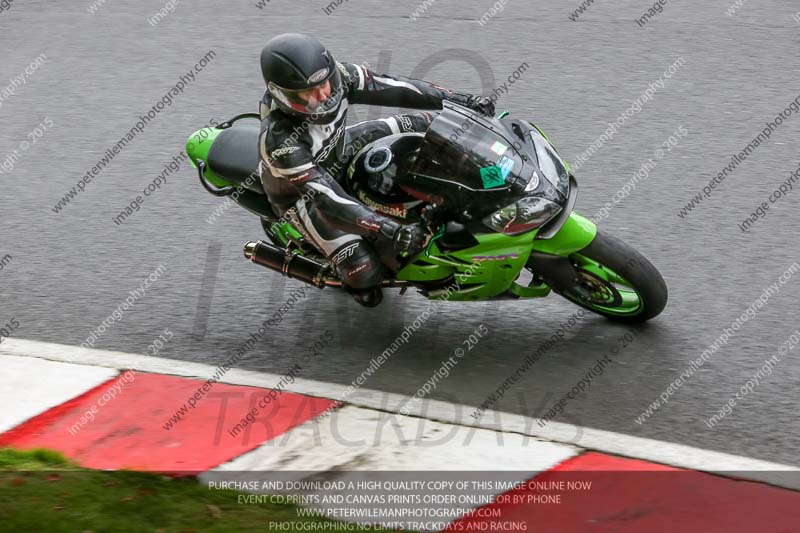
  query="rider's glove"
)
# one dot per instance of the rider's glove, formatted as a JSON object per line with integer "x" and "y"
{"x": 408, "y": 239}
{"x": 481, "y": 104}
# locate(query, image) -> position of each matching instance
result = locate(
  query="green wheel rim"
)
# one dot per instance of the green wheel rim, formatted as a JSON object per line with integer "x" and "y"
{"x": 610, "y": 292}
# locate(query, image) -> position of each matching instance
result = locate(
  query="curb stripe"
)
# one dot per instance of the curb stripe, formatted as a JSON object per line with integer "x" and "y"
{"x": 629, "y": 496}
{"x": 678, "y": 455}
{"x": 127, "y": 431}
{"x": 40, "y": 423}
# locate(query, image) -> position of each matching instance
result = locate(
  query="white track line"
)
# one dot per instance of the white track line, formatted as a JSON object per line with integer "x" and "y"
{"x": 672, "y": 454}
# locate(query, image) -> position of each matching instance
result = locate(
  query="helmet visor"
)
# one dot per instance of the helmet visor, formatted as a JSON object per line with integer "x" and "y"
{"x": 318, "y": 99}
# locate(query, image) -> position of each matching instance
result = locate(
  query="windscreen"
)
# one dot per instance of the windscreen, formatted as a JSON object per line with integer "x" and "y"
{"x": 458, "y": 148}
{"x": 550, "y": 163}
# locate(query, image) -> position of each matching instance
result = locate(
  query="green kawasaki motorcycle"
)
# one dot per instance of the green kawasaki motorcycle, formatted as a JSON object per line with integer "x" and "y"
{"x": 495, "y": 195}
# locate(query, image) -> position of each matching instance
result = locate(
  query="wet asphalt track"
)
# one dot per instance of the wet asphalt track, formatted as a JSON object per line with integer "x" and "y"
{"x": 69, "y": 271}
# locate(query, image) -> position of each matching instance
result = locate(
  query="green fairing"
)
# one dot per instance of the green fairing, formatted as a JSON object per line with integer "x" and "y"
{"x": 491, "y": 267}
{"x": 197, "y": 147}
{"x": 482, "y": 271}
{"x": 575, "y": 235}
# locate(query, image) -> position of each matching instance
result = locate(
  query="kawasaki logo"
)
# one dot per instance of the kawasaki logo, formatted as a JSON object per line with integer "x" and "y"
{"x": 392, "y": 211}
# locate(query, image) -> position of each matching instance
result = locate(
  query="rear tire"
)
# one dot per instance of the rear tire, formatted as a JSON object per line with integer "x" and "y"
{"x": 619, "y": 282}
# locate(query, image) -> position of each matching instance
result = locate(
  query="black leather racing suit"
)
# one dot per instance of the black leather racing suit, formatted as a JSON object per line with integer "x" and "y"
{"x": 302, "y": 163}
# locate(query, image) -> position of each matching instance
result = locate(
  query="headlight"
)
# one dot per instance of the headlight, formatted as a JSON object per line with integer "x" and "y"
{"x": 524, "y": 215}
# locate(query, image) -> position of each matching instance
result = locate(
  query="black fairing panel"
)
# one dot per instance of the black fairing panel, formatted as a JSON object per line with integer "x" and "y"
{"x": 456, "y": 237}
{"x": 460, "y": 148}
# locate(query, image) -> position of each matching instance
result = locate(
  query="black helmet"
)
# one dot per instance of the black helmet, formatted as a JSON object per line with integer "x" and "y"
{"x": 302, "y": 77}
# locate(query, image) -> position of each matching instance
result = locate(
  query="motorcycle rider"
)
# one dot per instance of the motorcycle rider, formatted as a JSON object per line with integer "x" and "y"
{"x": 305, "y": 148}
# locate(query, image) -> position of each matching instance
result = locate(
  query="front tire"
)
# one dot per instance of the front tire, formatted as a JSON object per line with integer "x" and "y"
{"x": 617, "y": 282}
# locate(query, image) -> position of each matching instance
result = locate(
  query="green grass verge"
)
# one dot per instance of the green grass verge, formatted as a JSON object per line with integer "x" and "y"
{"x": 42, "y": 491}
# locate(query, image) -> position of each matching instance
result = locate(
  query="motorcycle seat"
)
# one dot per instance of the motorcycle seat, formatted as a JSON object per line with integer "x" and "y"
{"x": 234, "y": 156}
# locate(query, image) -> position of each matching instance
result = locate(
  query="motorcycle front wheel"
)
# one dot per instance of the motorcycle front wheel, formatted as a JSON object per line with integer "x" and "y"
{"x": 616, "y": 281}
